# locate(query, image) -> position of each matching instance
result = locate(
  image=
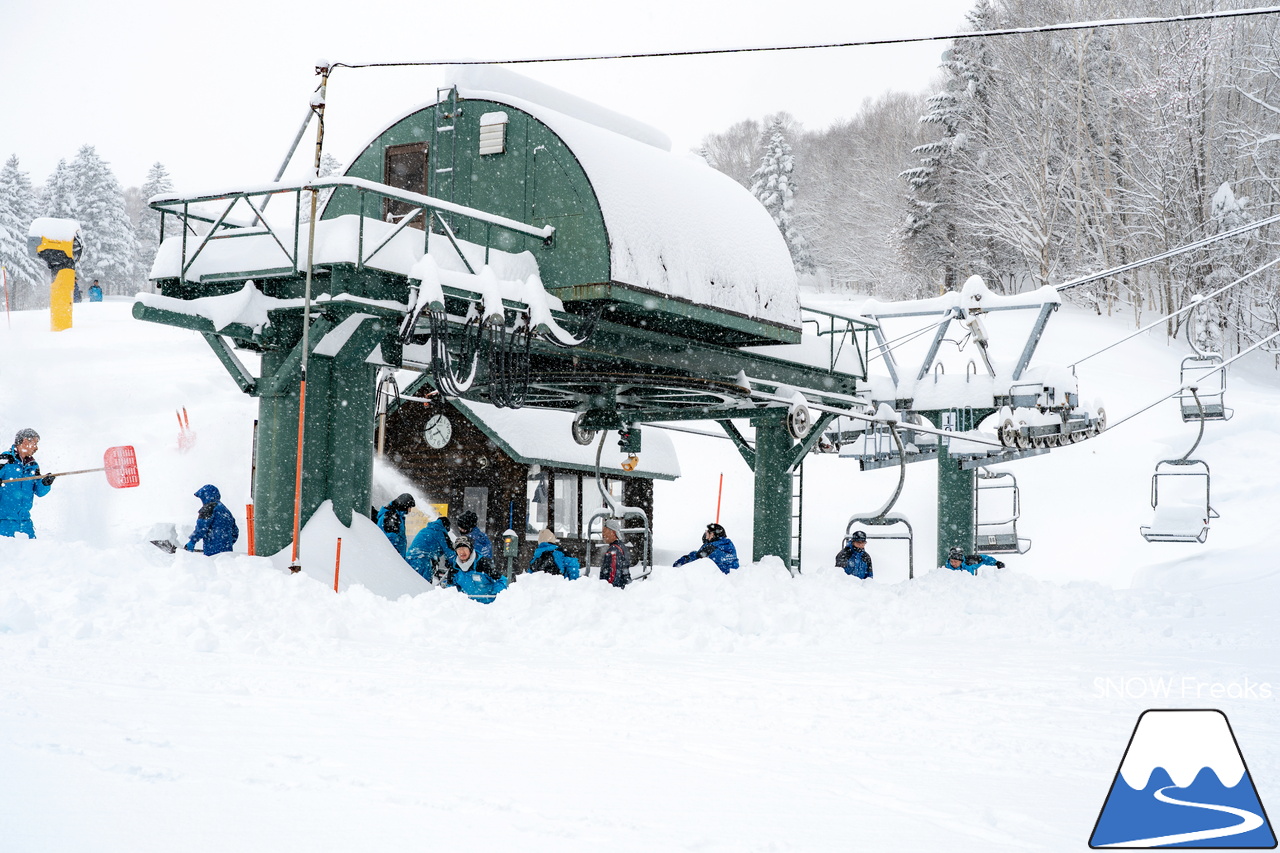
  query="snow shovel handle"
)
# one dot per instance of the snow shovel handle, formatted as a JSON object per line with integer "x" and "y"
{"x": 58, "y": 474}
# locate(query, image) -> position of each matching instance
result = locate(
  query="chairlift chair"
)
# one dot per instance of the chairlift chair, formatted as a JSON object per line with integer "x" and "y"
{"x": 1185, "y": 520}
{"x": 1210, "y": 388}
{"x": 1000, "y": 535}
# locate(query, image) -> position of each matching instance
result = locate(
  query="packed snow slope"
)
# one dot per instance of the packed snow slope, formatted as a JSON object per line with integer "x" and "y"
{"x": 153, "y": 702}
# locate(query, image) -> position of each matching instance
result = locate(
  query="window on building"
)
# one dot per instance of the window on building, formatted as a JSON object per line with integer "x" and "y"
{"x": 406, "y": 169}
{"x": 493, "y": 133}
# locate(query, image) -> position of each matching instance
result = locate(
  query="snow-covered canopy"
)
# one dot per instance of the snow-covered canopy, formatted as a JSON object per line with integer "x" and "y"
{"x": 676, "y": 226}
{"x": 543, "y": 437}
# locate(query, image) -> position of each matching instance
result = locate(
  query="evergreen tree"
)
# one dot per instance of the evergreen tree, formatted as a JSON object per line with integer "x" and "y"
{"x": 111, "y": 250}
{"x": 17, "y": 211}
{"x": 148, "y": 230}
{"x": 774, "y": 185}
{"x": 58, "y": 197}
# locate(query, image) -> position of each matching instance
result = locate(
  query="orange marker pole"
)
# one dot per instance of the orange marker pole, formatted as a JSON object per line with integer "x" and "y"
{"x": 719, "y": 494}
{"x": 248, "y": 515}
{"x": 337, "y": 562}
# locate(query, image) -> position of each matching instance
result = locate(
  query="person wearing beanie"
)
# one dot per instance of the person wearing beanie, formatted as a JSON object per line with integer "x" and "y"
{"x": 958, "y": 561}
{"x": 550, "y": 557}
{"x": 473, "y": 574}
{"x": 391, "y": 520}
{"x": 19, "y": 463}
{"x": 214, "y": 523}
{"x": 853, "y": 557}
{"x": 467, "y": 526}
{"x": 431, "y": 549}
{"x": 615, "y": 565}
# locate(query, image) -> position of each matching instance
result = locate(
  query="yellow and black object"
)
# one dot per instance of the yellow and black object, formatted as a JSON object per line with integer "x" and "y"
{"x": 57, "y": 243}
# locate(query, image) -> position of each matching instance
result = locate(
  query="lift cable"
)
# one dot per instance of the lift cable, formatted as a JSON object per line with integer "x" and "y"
{"x": 1194, "y": 383}
{"x": 1009, "y": 31}
{"x": 1235, "y": 232}
{"x": 1194, "y": 304}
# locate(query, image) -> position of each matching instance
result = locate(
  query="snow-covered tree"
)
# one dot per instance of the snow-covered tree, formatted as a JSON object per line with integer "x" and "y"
{"x": 735, "y": 151}
{"x": 111, "y": 251}
{"x": 148, "y": 221}
{"x": 58, "y": 196}
{"x": 774, "y": 185}
{"x": 17, "y": 210}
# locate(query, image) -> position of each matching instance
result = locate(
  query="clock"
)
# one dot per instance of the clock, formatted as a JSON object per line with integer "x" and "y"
{"x": 438, "y": 431}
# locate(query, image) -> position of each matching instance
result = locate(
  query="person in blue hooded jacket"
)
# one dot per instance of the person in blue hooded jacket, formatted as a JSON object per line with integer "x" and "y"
{"x": 16, "y": 498}
{"x": 550, "y": 557}
{"x": 716, "y": 546}
{"x": 214, "y": 523}
{"x": 431, "y": 549}
{"x": 958, "y": 561}
{"x": 473, "y": 574}
{"x": 853, "y": 557}
{"x": 391, "y": 520}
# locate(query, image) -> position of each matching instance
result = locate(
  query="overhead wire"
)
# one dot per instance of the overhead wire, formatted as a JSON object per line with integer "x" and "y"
{"x": 724, "y": 51}
{"x": 1181, "y": 310}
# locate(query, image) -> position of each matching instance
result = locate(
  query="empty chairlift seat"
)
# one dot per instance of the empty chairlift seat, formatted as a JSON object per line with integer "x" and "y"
{"x": 1210, "y": 387}
{"x": 1180, "y": 498}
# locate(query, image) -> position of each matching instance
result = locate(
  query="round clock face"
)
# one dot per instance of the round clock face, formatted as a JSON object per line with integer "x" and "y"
{"x": 438, "y": 431}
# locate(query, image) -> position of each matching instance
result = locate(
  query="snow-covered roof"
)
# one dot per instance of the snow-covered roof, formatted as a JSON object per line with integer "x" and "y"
{"x": 676, "y": 226}
{"x": 544, "y": 437}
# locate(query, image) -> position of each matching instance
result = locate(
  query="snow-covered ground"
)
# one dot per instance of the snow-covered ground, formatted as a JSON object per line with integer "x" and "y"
{"x": 151, "y": 702}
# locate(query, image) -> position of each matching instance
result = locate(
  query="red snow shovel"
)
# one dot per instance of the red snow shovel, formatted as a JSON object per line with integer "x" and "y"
{"x": 120, "y": 463}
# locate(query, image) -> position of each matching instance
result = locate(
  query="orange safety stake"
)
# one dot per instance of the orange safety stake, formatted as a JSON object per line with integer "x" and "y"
{"x": 248, "y": 516}
{"x": 337, "y": 563}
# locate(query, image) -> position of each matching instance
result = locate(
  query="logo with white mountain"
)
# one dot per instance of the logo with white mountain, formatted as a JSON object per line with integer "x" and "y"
{"x": 1183, "y": 783}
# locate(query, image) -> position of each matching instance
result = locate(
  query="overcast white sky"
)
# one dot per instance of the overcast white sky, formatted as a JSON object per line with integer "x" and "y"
{"x": 216, "y": 91}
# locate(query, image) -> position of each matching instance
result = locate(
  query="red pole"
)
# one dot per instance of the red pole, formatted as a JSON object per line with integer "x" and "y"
{"x": 719, "y": 493}
{"x": 337, "y": 561}
{"x": 297, "y": 480}
{"x": 248, "y": 514}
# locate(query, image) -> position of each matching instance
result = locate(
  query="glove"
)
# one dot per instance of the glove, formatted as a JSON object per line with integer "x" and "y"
{"x": 48, "y": 480}
{"x": 999, "y": 565}
{"x": 190, "y": 546}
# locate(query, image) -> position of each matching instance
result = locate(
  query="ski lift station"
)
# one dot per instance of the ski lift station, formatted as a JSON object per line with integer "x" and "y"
{"x": 510, "y": 245}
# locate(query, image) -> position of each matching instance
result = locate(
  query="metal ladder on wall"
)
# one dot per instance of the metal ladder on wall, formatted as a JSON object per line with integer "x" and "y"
{"x": 443, "y": 154}
{"x": 797, "y": 518}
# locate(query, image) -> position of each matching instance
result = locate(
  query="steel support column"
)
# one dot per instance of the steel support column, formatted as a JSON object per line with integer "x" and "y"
{"x": 772, "y": 533}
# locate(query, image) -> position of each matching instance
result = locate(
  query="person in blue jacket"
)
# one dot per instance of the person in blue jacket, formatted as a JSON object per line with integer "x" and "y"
{"x": 16, "y": 498}
{"x": 431, "y": 549}
{"x": 95, "y": 292}
{"x": 214, "y": 523}
{"x": 391, "y": 520}
{"x": 958, "y": 561}
{"x": 550, "y": 557}
{"x": 717, "y": 546}
{"x": 853, "y": 557}
{"x": 467, "y": 522}
{"x": 473, "y": 574}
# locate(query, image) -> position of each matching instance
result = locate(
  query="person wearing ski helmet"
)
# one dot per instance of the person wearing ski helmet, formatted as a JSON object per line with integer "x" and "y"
{"x": 467, "y": 522}
{"x": 853, "y": 556}
{"x": 392, "y": 518}
{"x": 717, "y": 547}
{"x": 17, "y": 463}
{"x": 431, "y": 549}
{"x": 958, "y": 561}
{"x": 214, "y": 523}
{"x": 473, "y": 574}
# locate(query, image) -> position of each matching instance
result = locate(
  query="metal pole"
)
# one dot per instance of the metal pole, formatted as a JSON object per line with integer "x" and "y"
{"x": 317, "y": 105}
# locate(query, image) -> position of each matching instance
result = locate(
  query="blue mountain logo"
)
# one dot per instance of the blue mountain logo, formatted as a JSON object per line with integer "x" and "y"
{"x": 1183, "y": 783}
